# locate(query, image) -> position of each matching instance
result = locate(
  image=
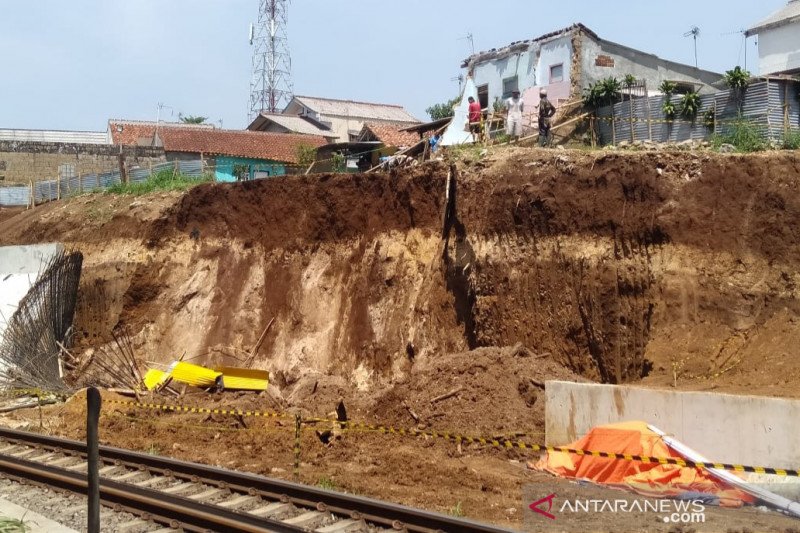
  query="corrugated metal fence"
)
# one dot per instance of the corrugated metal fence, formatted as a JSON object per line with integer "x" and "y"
{"x": 772, "y": 106}
{"x": 45, "y": 191}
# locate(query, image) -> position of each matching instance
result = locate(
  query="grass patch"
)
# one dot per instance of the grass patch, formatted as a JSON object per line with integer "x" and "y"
{"x": 743, "y": 135}
{"x": 327, "y": 484}
{"x": 792, "y": 140}
{"x": 12, "y": 525}
{"x": 456, "y": 510}
{"x": 166, "y": 180}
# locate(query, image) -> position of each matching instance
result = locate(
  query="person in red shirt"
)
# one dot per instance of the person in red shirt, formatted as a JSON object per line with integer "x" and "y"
{"x": 474, "y": 119}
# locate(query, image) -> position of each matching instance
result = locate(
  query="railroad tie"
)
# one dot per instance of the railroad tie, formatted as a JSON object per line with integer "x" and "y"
{"x": 309, "y": 520}
{"x": 237, "y": 501}
{"x": 344, "y": 526}
{"x": 273, "y": 510}
{"x": 206, "y": 494}
{"x": 180, "y": 487}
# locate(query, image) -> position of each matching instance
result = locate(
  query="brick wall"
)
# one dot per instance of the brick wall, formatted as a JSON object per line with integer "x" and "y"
{"x": 23, "y": 162}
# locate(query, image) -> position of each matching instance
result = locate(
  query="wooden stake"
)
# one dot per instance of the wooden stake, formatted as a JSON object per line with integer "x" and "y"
{"x": 447, "y": 395}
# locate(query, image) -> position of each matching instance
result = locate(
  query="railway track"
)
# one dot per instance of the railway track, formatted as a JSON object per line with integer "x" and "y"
{"x": 191, "y": 497}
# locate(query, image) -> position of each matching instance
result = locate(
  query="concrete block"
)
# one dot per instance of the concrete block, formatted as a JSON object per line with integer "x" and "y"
{"x": 750, "y": 430}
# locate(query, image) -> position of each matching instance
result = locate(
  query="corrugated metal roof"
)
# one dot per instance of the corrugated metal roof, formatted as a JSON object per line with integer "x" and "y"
{"x": 293, "y": 123}
{"x": 54, "y": 136}
{"x": 350, "y": 108}
{"x": 790, "y": 13}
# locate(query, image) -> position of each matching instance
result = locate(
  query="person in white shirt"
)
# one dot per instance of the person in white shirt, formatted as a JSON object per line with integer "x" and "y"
{"x": 514, "y": 109}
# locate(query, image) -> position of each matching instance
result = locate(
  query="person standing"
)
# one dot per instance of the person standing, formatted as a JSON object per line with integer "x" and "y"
{"x": 474, "y": 119}
{"x": 514, "y": 109}
{"x": 546, "y": 112}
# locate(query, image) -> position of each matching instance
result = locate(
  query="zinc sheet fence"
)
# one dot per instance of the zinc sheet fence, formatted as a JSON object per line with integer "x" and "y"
{"x": 772, "y": 106}
{"x": 48, "y": 190}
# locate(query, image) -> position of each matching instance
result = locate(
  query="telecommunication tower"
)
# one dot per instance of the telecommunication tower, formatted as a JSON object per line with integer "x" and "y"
{"x": 271, "y": 89}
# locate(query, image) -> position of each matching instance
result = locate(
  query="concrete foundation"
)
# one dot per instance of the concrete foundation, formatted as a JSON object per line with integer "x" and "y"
{"x": 749, "y": 430}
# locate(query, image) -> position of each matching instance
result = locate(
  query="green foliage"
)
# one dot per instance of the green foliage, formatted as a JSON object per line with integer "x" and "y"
{"x": 456, "y": 510}
{"x": 742, "y": 134}
{"x": 668, "y": 88}
{"x": 690, "y": 105}
{"x": 498, "y": 106}
{"x": 709, "y": 119}
{"x": 192, "y": 119}
{"x": 327, "y": 484}
{"x": 339, "y": 162}
{"x": 791, "y": 141}
{"x": 737, "y": 79}
{"x": 445, "y": 110}
{"x": 602, "y": 93}
{"x": 629, "y": 80}
{"x": 669, "y": 109}
{"x": 166, "y": 180}
{"x": 306, "y": 155}
{"x": 12, "y": 525}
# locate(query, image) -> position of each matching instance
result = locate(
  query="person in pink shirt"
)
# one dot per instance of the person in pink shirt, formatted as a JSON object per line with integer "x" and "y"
{"x": 474, "y": 119}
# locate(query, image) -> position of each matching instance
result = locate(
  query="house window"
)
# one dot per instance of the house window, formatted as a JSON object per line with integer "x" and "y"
{"x": 509, "y": 86}
{"x": 557, "y": 73}
{"x": 483, "y": 96}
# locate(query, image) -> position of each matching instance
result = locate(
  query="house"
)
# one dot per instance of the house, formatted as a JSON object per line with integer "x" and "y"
{"x": 234, "y": 155}
{"x": 779, "y": 41}
{"x": 345, "y": 118}
{"x": 144, "y": 133}
{"x": 567, "y": 61}
{"x": 279, "y": 123}
{"x": 391, "y": 137}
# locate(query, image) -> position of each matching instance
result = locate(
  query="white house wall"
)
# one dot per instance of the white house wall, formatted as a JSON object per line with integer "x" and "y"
{"x": 603, "y": 59}
{"x": 779, "y": 49}
{"x": 532, "y": 67}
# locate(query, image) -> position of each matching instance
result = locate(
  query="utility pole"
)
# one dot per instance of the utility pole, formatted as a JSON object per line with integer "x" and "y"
{"x": 271, "y": 88}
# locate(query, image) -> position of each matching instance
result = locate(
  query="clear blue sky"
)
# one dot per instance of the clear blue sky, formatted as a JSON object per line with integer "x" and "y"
{"x": 73, "y": 64}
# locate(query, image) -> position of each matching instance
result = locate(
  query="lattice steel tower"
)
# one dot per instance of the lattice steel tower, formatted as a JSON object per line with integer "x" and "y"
{"x": 271, "y": 89}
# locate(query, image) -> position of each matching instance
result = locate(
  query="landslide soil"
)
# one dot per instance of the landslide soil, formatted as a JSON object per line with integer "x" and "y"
{"x": 669, "y": 269}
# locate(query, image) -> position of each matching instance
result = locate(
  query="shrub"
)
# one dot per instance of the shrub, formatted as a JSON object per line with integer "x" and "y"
{"x": 737, "y": 79}
{"x": 306, "y": 155}
{"x": 166, "y": 180}
{"x": 669, "y": 109}
{"x": 742, "y": 134}
{"x": 709, "y": 119}
{"x": 602, "y": 93}
{"x": 445, "y": 110}
{"x": 668, "y": 88}
{"x": 791, "y": 140}
{"x": 690, "y": 105}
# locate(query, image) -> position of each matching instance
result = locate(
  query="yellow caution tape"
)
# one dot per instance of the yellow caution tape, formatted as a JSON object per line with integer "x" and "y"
{"x": 500, "y": 443}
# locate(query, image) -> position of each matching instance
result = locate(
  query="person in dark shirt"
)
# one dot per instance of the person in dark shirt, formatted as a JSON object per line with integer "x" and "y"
{"x": 546, "y": 111}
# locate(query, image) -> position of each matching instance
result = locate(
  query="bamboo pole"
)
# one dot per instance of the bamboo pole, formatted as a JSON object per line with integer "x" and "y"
{"x": 649, "y": 113}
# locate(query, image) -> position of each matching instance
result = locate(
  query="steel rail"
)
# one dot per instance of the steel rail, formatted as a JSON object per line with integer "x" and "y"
{"x": 165, "y": 508}
{"x": 374, "y": 511}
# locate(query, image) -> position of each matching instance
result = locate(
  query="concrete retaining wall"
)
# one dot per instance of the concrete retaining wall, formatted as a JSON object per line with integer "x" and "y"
{"x": 748, "y": 430}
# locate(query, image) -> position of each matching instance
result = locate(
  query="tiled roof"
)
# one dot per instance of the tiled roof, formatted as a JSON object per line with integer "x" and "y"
{"x": 293, "y": 123}
{"x": 350, "y": 108}
{"x": 54, "y": 136}
{"x": 520, "y": 46}
{"x": 389, "y": 134}
{"x": 253, "y": 144}
{"x": 788, "y": 14}
{"x": 136, "y": 132}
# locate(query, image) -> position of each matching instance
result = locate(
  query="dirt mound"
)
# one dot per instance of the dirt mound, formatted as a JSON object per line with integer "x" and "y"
{"x": 482, "y": 392}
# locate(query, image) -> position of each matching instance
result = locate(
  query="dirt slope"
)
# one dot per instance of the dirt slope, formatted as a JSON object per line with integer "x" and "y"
{"x": 673, "y": 267}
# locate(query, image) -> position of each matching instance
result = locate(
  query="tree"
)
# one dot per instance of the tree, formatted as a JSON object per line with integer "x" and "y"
{"x": 445, "y": 110}
{"x": 305, "y": 155}
{"x": 192, "y": 119}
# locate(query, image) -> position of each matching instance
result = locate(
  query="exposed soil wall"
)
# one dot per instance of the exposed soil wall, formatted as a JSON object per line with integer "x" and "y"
{"x": 666, "y": 266}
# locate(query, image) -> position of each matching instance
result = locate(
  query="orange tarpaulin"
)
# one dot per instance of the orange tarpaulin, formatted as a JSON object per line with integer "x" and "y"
{"x": 651, "y": 479}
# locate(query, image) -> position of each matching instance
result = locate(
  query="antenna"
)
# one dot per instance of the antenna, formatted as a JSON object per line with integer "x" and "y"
{"x": 469, "y": 37}
{"x": 271, "y": 89}
{"x": 743, "y": 33}
{"x": 694, "y": 32}
{"x": 252, "y": 29}
{"x": 460, "y": 80}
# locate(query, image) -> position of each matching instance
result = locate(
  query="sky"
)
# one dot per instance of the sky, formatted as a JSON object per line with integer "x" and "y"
{"x": 72, "y": 65}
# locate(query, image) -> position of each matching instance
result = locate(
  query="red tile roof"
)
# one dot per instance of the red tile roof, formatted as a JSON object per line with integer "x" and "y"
{"x": 390, "y": 134}
{"x": 254, "y": 144}
{"x": 134, "y": 132}
{"x": 211, "y": 141}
